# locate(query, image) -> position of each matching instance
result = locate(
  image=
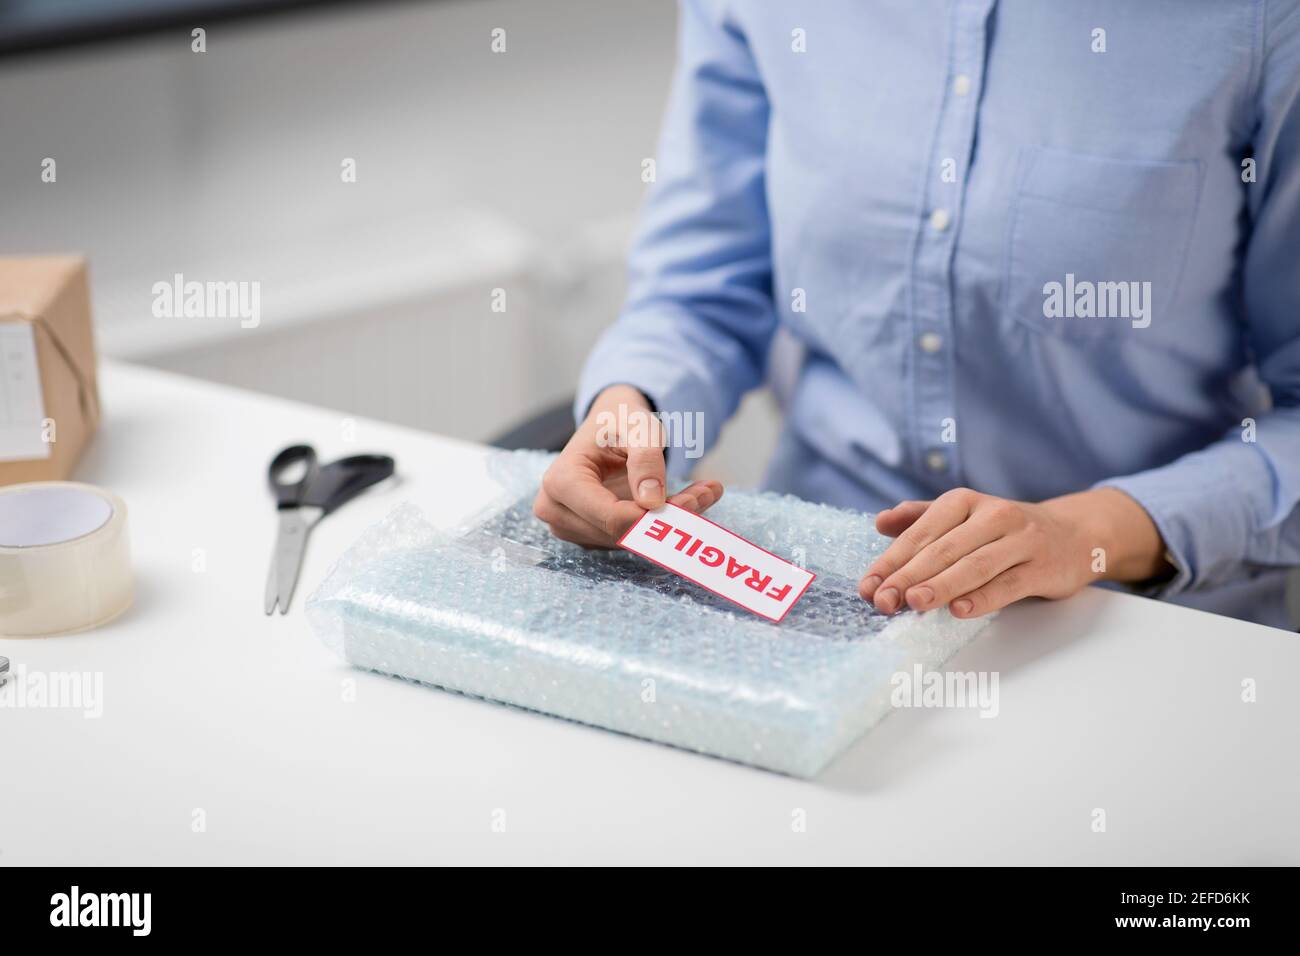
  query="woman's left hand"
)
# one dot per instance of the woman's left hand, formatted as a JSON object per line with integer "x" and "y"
{"x": 977, "y": 553}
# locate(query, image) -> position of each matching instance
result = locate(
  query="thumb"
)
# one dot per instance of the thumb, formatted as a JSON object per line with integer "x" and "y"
{"x": 646, "y": 476}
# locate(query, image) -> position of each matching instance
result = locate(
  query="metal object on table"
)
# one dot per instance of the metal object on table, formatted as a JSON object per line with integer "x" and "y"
{"x": 4, "y": 670}
{"x": 302, "y": 501}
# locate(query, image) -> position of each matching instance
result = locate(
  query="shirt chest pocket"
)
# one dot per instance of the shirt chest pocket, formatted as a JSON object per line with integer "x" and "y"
{"x": 1095, "y": 246}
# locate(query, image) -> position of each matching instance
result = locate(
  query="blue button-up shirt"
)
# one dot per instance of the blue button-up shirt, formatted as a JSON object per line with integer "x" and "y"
{"x": 1027, "y": 247}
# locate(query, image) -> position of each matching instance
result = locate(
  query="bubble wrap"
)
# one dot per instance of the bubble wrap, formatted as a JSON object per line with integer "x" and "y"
{"x": 500, "y": 609}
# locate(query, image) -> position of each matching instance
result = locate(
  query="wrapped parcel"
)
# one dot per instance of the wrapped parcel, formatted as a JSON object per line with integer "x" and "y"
{"x": 501, "y": 609}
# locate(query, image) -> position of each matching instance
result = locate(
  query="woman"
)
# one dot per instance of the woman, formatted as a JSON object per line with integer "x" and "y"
{"x": 1042, "y": 261}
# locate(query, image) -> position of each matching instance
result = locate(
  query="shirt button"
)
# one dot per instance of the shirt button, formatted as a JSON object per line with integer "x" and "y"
{"x": 939, "y": 220}
{"x": 961, "y": 84}
{"x": 936, "y": 461}
{"x": 930, "y": 342}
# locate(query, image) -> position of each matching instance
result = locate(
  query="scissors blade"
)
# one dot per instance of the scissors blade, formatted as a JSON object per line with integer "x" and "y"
{"x": 271, "y": 581}
{"x": 290, "y": 546}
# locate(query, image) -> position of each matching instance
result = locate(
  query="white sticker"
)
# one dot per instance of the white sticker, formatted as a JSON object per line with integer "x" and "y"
{"x": 718, "y": 560}
{"x": 22, "y": 409}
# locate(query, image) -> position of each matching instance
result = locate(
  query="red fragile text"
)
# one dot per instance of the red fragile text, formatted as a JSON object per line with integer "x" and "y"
{"x": 712, "y": 557}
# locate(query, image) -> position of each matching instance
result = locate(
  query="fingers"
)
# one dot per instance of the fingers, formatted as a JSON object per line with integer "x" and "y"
{"x": 945, "y": 513}
{"x": 894, "y": 521}
{"x": 1009, "y": 586}
{"x": 568, "y": 525}
{"x": 968, "y": 573}
{"x": 937, "y": 556}
{"x": 645, "y": 476}
{"x": 578, "y": 488}
{"x": 611, "y": 473}
{"x": 638, "y": 436}
{"x": 699, "y": 496}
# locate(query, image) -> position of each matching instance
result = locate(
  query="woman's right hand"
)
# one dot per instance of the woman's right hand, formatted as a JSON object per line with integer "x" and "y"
{"x": 611, "y": 472}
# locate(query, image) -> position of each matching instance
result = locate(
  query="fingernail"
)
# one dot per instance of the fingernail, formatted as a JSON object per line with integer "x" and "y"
{"x": 962, "y": 606}
{"x": 920, "y": 597}
{"x": 650, "y": 488}
{"x": 869, "y": 584}
{"x": 886, "y": 599}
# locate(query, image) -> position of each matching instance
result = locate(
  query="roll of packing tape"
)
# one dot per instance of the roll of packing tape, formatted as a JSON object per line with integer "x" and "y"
{"x": 65, "y": 558}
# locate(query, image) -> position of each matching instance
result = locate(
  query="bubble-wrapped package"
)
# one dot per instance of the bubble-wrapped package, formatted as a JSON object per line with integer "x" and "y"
{"x": 501, "y": 609}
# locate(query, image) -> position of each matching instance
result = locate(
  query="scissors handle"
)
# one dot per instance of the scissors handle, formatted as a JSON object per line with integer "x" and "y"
{"x": 340, "y": 481}
{"x": 291, "y": 494}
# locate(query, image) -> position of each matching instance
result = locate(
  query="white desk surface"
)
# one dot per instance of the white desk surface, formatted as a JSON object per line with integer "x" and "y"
{"x": 1107, "y": 701}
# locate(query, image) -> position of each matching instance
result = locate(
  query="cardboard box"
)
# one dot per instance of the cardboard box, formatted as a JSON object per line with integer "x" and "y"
{"x": 49, "y": 402}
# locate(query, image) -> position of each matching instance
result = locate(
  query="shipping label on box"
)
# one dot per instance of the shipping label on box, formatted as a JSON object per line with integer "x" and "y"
{"x": 23, "y": 427}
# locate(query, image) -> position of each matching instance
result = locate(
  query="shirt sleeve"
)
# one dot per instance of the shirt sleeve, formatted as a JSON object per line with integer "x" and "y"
{"x": 1232, "y": 508}
{"x": 695, "y": 330}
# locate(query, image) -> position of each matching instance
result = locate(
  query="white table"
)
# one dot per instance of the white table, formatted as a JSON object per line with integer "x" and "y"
{"x": 1107, "y": 701}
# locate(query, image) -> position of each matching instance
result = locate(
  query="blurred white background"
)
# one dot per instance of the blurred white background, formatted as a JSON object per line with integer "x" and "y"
{"x": 475, "y": 171}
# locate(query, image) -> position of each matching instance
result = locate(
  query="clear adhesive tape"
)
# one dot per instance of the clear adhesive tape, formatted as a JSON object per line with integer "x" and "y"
{"x": 65, "y": 558}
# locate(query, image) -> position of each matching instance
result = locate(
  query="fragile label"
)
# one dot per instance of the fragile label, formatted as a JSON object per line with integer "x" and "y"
{"x": 718, "y": 560}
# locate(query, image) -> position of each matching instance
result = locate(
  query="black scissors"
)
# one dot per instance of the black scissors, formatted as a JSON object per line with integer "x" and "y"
{"x": 304, "y": 500}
